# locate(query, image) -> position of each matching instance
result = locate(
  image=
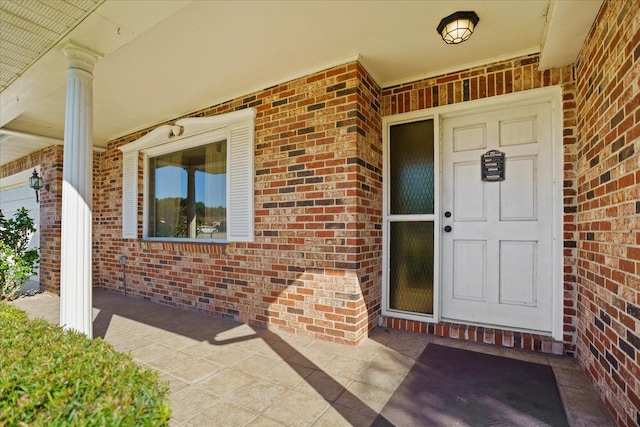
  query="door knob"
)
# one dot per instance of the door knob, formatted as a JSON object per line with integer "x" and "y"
{"x": 447, "y": 228}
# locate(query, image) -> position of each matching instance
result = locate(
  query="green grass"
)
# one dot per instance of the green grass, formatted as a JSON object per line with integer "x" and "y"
{"x": 52, "y": 377}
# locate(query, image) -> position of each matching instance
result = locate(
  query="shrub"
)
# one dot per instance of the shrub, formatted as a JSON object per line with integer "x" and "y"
{"x": 17, "y": 262}
{"x": 53, "y": 377}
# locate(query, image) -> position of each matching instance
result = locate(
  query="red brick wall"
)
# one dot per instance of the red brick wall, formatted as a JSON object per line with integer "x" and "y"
{"x": 314, "y": 267}
{"x": 50, "y": 219}
{"x": 489, "y": 80}
{"x": 50, "y": 160}
{"x": 25, "y": 163}
{"x": 368, "y": 189}
{"x": 608, "y": 87}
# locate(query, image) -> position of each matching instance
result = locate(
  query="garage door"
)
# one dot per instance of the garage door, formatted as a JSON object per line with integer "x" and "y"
{"x": 14, "y": 194}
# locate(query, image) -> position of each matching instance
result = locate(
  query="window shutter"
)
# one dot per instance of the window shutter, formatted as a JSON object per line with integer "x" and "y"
{"x": 240, "y": 182}
{"x": 130, "y": 195}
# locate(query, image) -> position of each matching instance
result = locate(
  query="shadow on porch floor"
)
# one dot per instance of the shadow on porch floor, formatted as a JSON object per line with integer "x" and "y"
{"x": 226, "y": 373}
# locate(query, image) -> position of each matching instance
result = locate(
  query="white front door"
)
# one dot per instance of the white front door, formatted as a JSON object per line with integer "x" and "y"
{"x": 497, "y": 236}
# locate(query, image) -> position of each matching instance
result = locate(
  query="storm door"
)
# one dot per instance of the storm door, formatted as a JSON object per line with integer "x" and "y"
{"x": 410, "y": 203}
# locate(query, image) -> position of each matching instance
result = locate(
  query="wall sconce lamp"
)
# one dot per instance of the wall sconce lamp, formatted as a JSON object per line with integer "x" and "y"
{"x": 35, "y": 182}
{"x": 458, "y": 27}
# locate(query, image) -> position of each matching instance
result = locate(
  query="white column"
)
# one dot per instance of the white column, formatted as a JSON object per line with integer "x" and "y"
{"x": 77, "y": 193}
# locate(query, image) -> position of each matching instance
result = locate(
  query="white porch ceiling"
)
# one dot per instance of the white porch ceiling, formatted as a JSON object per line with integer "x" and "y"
{"x": 163, "y": 59}
{"x": 30, "y": 28}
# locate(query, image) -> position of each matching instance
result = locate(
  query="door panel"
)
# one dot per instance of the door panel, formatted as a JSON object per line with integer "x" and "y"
{"x": 520, "y": 186}
{"x": 497, "y": 257}
{"x": 469, "y": 197}
{"x": 518, "y": 272}
{"x": 469, "y": 282}
{"x": 469, "y": 138}
{"x": 519, "y": 131}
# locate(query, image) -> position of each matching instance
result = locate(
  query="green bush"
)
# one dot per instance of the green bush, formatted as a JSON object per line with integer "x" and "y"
{"x": 53, "y": 377}
{"x": 17, "y": 262}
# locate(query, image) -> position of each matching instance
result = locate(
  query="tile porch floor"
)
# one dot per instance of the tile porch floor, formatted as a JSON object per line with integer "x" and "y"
{"x": 224, "y": 373}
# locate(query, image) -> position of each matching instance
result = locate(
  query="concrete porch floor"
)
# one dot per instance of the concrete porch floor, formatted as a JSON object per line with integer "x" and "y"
{"x": 224, "y": 373}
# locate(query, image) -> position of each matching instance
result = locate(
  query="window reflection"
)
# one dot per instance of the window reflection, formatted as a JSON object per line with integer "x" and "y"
{"x": 188, "y": 193}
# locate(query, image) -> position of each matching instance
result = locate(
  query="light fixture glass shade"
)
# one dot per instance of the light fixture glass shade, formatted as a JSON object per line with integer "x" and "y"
{"x": 458, "y": 27}
{"x": 35, "y": 181}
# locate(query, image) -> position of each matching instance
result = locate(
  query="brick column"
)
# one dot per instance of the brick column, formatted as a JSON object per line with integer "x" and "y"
{"x": 77, "y": 193}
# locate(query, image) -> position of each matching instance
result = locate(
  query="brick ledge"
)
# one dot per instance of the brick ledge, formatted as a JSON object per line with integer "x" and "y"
{"x": 486, "y": 335}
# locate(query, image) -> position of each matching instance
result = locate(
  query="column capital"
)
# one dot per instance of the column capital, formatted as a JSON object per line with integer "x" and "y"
{"x": 80, "y": 57}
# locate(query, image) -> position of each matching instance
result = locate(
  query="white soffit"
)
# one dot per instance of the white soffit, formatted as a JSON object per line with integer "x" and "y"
{"x": 568, "y": 23}
{"x": 31, "y": 27}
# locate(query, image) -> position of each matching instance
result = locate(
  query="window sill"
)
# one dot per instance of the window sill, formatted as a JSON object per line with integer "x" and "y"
{"x": 184, "y": 241}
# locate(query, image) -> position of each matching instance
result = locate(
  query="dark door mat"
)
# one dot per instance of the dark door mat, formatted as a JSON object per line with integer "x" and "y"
{"x": 453, "y": 387}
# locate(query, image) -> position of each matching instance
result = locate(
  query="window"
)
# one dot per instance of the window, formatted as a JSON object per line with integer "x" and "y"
{"x": 198, "y": 180}
{"x": 187, "y": 193}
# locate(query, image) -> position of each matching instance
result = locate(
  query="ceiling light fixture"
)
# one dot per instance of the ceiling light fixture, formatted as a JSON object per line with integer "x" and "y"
{"x": 458, "y": 27}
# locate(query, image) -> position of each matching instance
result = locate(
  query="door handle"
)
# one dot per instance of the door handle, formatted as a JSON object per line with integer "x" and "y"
{"x": 447, "y": 214}
{"x": 447, "y": 228}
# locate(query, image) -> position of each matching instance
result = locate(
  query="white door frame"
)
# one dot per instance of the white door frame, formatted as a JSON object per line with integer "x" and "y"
{"x": 553, "y": 95}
